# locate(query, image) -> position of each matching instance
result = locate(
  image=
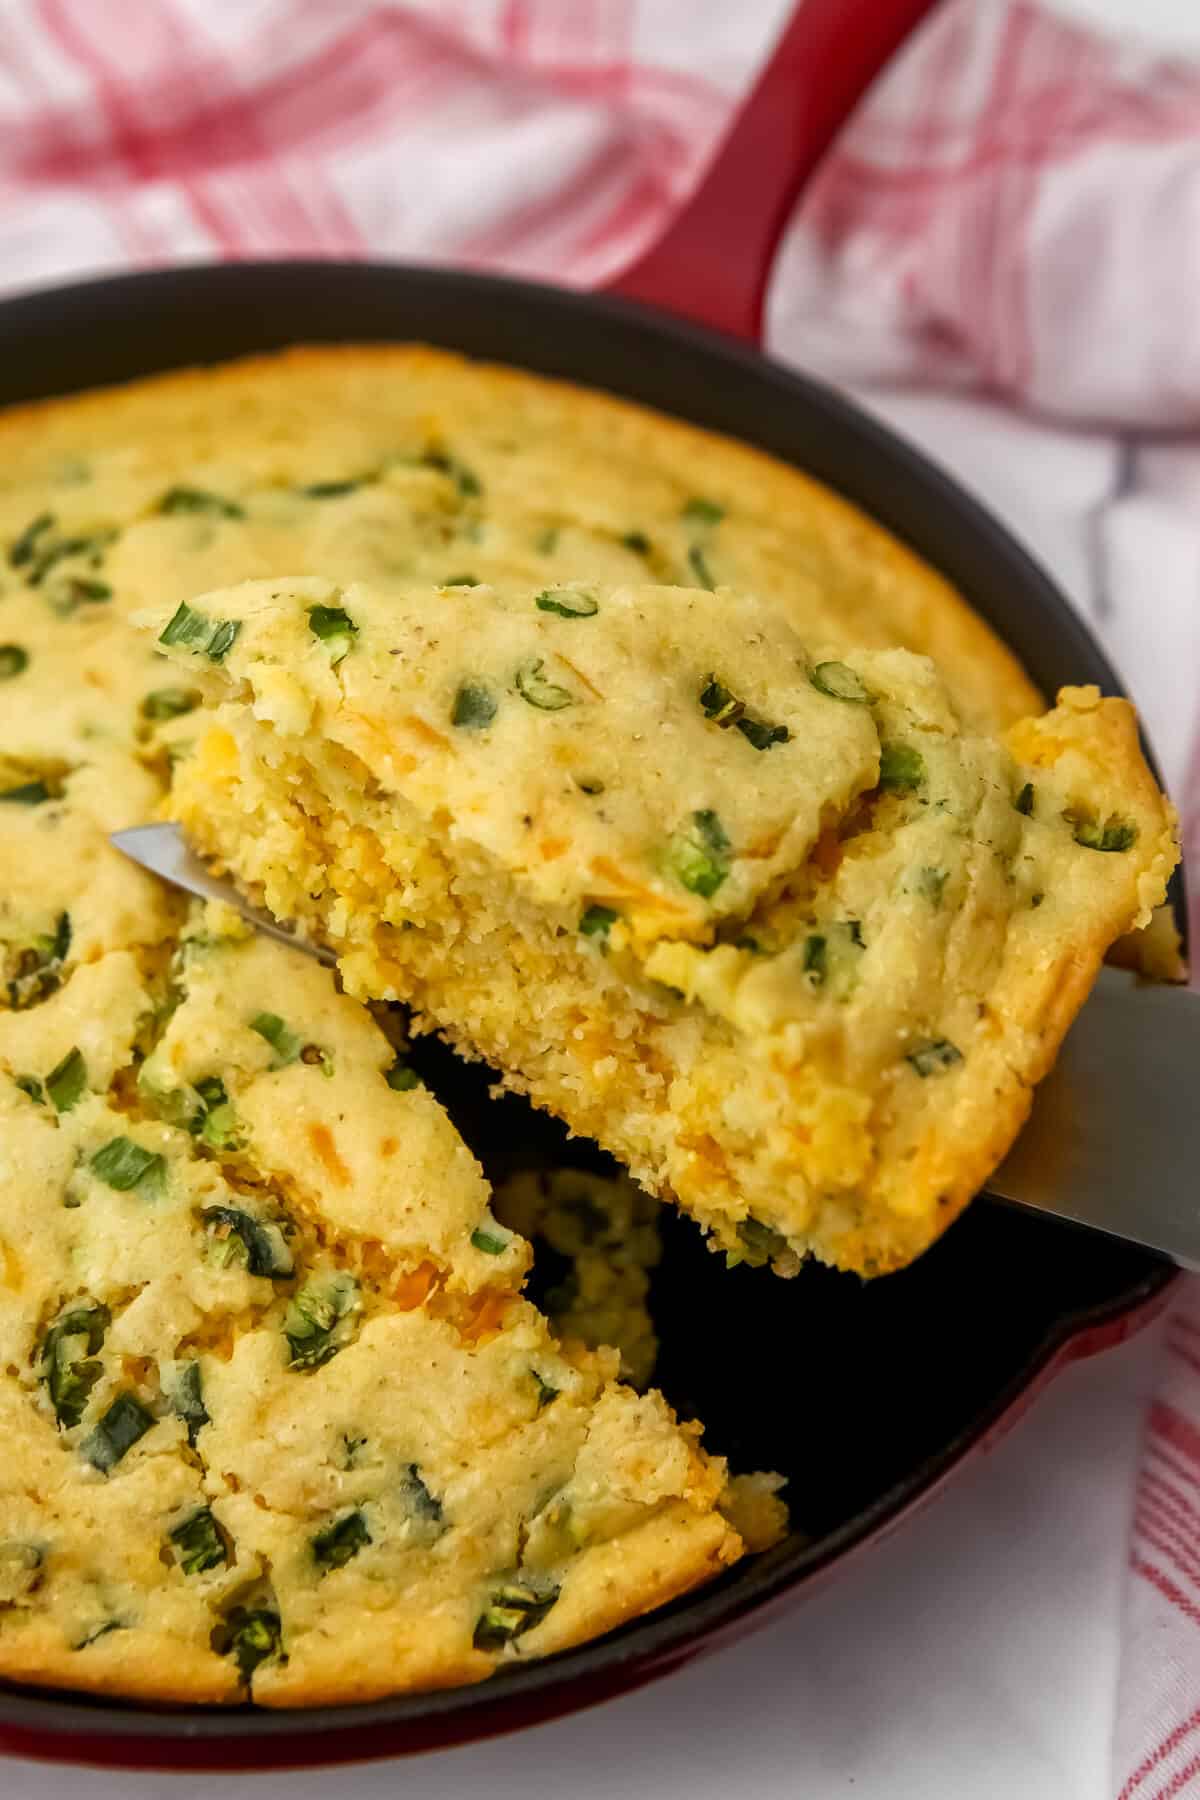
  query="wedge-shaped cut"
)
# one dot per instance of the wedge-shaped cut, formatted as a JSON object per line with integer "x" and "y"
{"x": 763, "y": 921}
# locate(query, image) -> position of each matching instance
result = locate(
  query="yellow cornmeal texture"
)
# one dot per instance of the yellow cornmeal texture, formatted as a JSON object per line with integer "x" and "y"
{"x": 770, "y": 925}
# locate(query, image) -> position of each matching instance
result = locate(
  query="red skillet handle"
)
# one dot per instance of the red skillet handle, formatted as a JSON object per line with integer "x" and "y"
{"x": 713, "y": 261}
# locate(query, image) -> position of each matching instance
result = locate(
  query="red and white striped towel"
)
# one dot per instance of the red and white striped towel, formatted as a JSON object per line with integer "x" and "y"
{"x": 1012, "y": 220}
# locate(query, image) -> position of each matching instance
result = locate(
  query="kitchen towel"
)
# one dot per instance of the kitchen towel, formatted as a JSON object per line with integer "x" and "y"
{"x": 1001, "y": 254}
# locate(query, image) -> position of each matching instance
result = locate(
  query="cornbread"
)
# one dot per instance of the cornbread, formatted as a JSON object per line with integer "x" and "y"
{"x": 771, "y": 926}
{"x": 278, "y": 1421}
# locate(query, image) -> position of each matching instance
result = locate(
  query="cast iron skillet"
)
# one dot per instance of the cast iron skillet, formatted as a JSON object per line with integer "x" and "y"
{"x": 876, "y": 1392}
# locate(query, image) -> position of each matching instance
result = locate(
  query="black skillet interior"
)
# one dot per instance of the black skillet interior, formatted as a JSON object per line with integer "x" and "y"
{"x": 922, "y": 1362}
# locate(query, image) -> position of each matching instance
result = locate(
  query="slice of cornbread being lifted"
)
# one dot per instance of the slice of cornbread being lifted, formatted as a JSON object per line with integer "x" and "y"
{"x": 768, "y": 925}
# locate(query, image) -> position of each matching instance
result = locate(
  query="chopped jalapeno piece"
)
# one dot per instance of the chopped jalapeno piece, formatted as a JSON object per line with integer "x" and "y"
{"x": 1024, "y": 800}
{"x": 698, "y": 563}
{"x": 13, "y": 661}
{"x": 402, "y": 1076}
{"x": 839, "y": 682}
{"x": 699, "y": 854}
{"x": 705, "y": 512}
{"x": 418, "y": 1500}
{"x": 39, "y": 966}
{"x": 533, "y": 686}
{"x": 215, "y": 1123}
{"x": 568, "y": 604}
{"x": 29, "y": 1084}
{"x": 511, "y": 1611}
{"x": 474, "y": 707}
{"x": 28, "y": 793}
{"x": 491, "y": 1243}
{"x": 1115, "y": 834}
{"x": 258, "y": 1245}
{"x": 932, "y": 883}
{"x": 934, "y": 1057}
{"x": 330, "y": 490}
{"x": 251, "y": 1635}
{"x": 314, "y": 1317}
{"x": 69, "y": 1374}
{"x": 339, "y": 1543}
{"x": 760, "y": 1240}
{"x": 901, "y": 768}
{"x": 200, "y": 1543}
{"x": 286, "y": 1045}
{"x": 335, "y": 628}
{"x": 816, "y": 957}
{"x": 464, "y": 479}
{"x": 188, "y": 1400}
{"x": 23, "y": 548}
{"x": 597, "y": 921}
{"x": 169, "y": 703}
{"x": 124, "y": 1165}
{"x": 199, "y": 500}
{"x": 115, "y": 1432}
{"x": 67, "y": 1082}
{"x": 637, "y": 541}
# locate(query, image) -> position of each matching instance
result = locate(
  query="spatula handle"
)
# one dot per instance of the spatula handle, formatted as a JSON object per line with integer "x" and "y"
{"x": 713, "y": 262}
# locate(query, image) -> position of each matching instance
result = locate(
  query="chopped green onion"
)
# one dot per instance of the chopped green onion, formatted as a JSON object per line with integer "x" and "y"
{"x": 339, "y": 1543}
{"x": 567, "y": 603}
{"x": 901, "y": 768}
{"x": 638, "y": 542}
{"x": 215, "y": 1123}
{"x": 597, "y": 921}
{"x": 759, "y": 734}
{"x": 29, "y": 793}
{"x": 67, "y": 1081}
{"x": 75, "y": 1337}
{"x": 489, "y": 1242}
{"x": 474, "y": 707}
{"x": 335, "y": 628}
{"x": 124, "y": 1165}
{"x": 511, "y": 1611}
{"x": 13, "y": 661}
{"x": 545, "y": 1392}
{"x": 115, "y": 1432}
{"x": 547, "y": 541}
{"x": 591, "y": 788}
{"x": 464, "y": 479}
{"x": 188, "y": 1400}
{"x": 718, "y": 704}
{"x": 1116, "y": 834}
{"x": 815, "y": 958}
{"x": 73, "y": 591}
{"x": 286, "y": 1045}
{"x": 258, "y": 1245}
{"x": 461, "y": 581}
{"x": 199, "y": 500}
{"x": 423, "y": 1506}
{"x": 934, "y": 1057}
{"x": 839, "y": 682}
{"x": 29, "y": 1084}
{"x": 23, "y": 548}
{"x": 699, "y": 854}
{"x": 1024, "y": 800}
{"x": 194, "y": 631}
{"x": 760, "y": 1240}
{"x": 200, "y": 1543}
{"x": 169, "y": 703}
{"x": 314, "y": 1315}
{"x": 39, "y": 966}
{"x": 94, "y": 1633}
{"x": 20, "y": 1570}
{"x": 698, "y": 563}
{"x": 533, "y": 686}
{"x": 402, "y": 1077}
{"x": 706, "y": 512}
{"x": 251, "y": 1635}
{"x": 329, "y": 490}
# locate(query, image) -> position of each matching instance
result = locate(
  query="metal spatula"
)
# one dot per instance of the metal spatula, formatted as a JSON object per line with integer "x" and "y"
{"x": 1113, "y": 1142}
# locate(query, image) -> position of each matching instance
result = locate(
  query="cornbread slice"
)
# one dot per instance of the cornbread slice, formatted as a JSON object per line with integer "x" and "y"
{"x": 277, "y": 1417}
{"x": 769, "y": 925}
